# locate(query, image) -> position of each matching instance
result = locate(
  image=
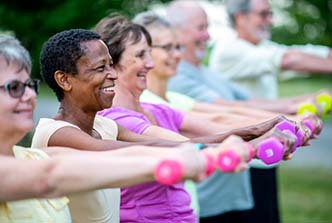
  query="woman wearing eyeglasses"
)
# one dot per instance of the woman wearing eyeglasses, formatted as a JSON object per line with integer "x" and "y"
{"x": 34, "y": 175}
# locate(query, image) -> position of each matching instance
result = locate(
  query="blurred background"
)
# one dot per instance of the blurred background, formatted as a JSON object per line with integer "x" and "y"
{"x": 306, "y": 181}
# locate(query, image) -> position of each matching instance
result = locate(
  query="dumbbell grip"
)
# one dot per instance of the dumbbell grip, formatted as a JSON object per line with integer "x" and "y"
{"x": 289, "y": 128}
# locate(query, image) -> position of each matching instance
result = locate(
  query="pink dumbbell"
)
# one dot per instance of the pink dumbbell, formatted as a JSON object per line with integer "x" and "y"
{"x": 171, "y": 171}
{"x": 270, "y": 150}
{"x": 228, "y": 160}
{"x": 289, "y": 128}
{"x": 168, "y": 172}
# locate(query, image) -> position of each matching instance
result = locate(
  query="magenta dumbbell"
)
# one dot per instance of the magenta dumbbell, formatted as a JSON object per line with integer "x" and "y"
{"x": 289, "y": 128}
{"x": 228, "y": 160}
{"x": 270, "y": 150}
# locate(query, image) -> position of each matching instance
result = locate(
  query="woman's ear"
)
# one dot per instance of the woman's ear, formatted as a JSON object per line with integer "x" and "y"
{"x": 63, "y": 80}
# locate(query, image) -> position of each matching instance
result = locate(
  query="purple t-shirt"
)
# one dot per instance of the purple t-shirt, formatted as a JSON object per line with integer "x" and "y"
{"x": 152, "y": 202}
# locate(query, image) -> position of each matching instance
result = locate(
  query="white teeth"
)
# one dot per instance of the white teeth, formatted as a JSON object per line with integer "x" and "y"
{"x": 108, "y": 89}
{"x": 141, "y": 75}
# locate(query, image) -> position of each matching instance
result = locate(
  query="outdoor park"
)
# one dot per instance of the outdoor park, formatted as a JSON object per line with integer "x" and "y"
{"x": 305, "y": 183}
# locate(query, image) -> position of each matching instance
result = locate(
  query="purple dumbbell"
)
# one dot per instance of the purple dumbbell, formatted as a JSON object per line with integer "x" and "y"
{"x": 270, "y": 150}
{"x": 289, "y": 128}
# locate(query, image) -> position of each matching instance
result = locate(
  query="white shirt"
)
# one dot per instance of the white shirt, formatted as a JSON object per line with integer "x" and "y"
{"x": 255, "y": 67}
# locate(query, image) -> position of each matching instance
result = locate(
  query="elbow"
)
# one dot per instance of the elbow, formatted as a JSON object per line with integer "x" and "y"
{"x": 290, "y": 60}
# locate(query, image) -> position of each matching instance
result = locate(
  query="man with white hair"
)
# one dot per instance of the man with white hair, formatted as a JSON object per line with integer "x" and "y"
{"x": 252, "y": 60}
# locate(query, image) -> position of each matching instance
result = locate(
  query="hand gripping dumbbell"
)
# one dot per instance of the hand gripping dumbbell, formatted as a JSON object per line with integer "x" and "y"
{"x": 271, "y": 150}
{"x": 228, "y": 160}
{"x": 324, "y": 100}
{"x": 171, "y": 171}
{"x": 289, "y": 128}
{"x": 310, "y": 126}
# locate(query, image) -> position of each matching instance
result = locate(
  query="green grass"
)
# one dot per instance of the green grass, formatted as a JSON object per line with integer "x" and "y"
{"x": 305, "y": 195}
{"x": 300, "y": 86}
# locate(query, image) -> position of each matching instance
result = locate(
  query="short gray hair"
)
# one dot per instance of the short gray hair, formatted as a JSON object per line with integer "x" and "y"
{"x": 13, "y": 52}
{"x": 177, "y": 12}
{"x": 237, "y": 6}
{"x": 150, "y": 20}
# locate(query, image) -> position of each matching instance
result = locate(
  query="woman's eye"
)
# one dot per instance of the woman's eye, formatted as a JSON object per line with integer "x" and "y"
{"x": 101, "y": 68}
{"x": 141, "y": 54}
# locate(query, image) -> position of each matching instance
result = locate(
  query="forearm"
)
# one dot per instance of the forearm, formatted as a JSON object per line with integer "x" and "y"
{"x": 251, "y": 108}
{"x": 302, "y": 62}
{"x": 87, "y": 172}
{"x": 246, "y": 133}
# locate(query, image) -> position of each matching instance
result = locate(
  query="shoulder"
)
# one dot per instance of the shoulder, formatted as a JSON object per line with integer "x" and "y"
{"x": 52, "y": 123}
{"x": 106, "y": 127}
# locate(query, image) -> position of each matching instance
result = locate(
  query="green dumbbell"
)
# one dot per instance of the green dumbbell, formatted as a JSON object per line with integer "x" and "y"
{"x": 307, "y": 108}
{"x": 325, "y": 101}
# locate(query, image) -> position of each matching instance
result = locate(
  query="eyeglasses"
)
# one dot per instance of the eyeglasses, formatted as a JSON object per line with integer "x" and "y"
{"x": 169, "y": 48}
{"x": 16, "y": 88}
{"x": 264, "y": 14}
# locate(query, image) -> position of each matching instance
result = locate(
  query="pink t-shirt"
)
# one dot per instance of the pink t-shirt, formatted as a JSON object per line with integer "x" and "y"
{"x": 152, "y": 202}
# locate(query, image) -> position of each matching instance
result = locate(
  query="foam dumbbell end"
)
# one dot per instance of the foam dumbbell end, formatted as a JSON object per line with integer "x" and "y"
{"x": 325, "y": 101}
{"x": 307, "y": 108}
{"x": 227, "y": 161}
{"x": 270, "y": 151}
{"x": 168, "y": 172}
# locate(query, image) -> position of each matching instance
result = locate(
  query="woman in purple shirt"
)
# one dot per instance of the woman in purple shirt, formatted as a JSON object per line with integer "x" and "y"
{"x": 130, "y": 47}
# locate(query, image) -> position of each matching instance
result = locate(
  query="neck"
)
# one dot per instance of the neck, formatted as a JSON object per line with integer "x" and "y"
{"x": 76, "y": 116}
{"x": 190, "y": 58}
{"x": 8, "y": 140}
{"x": 157, "y": 85}
{"x": 245, "y": 36}
{"x": 127, "y": 99}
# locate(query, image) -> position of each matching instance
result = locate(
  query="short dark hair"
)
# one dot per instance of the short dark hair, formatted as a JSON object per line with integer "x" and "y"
{"x": 116, "y": 30}
{"x": 61, "y": 53}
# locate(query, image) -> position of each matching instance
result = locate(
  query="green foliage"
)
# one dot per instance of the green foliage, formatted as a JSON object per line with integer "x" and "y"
{"x": 33, "y": 22}
{"x": 305, "y": 195}
{"x": 309, "y": 22}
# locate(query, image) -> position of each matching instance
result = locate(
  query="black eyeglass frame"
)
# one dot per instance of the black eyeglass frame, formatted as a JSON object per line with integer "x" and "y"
{"x": 16, "y": 88}
{"x": 169, "y": 47}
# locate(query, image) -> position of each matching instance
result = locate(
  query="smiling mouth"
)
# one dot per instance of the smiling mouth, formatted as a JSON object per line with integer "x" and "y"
{"x": 141, "y": 75}
{"x": 109, "y": 89}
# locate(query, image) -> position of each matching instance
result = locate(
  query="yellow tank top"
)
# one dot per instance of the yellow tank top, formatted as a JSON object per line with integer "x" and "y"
{"x": 34, "y": 210}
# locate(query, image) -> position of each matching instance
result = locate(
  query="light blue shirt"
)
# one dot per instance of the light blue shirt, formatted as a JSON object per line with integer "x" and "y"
{"x": 203, "y": 84}
{"x": 220, "y": 193}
